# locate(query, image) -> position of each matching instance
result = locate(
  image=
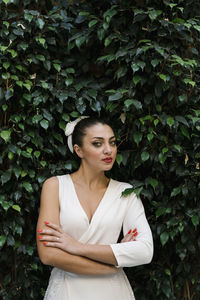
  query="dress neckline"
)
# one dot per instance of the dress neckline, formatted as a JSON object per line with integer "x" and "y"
{"x": 100, "y": 202}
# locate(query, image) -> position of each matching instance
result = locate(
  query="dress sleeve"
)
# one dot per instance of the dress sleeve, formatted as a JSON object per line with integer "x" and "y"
{"x": 139, "y": 252}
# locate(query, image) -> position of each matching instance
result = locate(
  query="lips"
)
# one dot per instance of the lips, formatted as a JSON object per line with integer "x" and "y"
{"x": 107, "y": 160}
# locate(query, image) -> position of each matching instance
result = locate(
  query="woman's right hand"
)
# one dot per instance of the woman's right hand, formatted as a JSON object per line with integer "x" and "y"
{"x": 130, "y": 236}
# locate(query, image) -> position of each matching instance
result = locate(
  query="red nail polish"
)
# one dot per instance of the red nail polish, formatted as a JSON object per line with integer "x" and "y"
{"x": 39, "y": 230}
{"x": 134, "y": 230}
{"x": 129, "y": 231}
{"x": 135, "y": 234}
{"x": 44, "y": 243}
{"x": 39, "y": 237}
{"x": 46, "y": 222}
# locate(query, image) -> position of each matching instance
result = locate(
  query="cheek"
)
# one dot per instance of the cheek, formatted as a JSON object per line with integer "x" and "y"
{"x": 94, "y": 154}
{"x": 115, "y": 152}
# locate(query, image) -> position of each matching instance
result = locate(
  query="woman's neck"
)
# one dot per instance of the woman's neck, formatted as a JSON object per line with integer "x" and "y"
{"x": 92, "y": 179}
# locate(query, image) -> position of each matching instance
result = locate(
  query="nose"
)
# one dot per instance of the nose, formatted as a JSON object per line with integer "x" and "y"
{"x": 107, "y": 149}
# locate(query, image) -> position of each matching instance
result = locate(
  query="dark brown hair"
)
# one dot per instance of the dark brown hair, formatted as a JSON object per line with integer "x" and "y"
{"x": 80, "y": 129}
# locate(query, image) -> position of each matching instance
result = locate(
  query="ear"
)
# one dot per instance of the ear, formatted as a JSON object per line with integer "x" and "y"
{"x": 78, "y": 151}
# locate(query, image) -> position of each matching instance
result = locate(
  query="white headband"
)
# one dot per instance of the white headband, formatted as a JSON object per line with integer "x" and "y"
{"x": 69, "y": 131}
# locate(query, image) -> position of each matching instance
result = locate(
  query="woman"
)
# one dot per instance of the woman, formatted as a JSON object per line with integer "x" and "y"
{"x": 80, "y": 220}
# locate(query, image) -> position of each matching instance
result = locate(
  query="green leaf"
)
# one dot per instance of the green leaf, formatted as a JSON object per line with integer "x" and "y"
{"x": 68, "y": 81}
{"x": 107, "y": 42}
{"x": 162, "y": 158}
{"x": 13, "y": 53}
{"x": 40, "y": 40}
{"x": 115, "y": 96}
{"x": 185, "y": 132}
{"x": 138, "y": 190}
{"x": 5, "y": 135}
{"x": 84, "y": 13}
{"x": 6, "y": 65}
{"x": 28, "y": 187}
{"x": 44, "y": 123}
{"x": 17, "y": 208}
{"x": 164, "y": 237}
{"x": 155, "y": 62}
{"x": 137, "y": 137}
{"x": 57, "y": 67}
{"x": 5, "y": 177}
{"x": 170, "y": 121}
{"x": 160, "y": 211}
{"x": 17, "y": 172}
{"x": 153, "y": 14}
{"x": 153, "y": 182}
{"x": 168, "y": 272}
{"x": 150, "y": 136}
{"x": 6, "y": 1}
{"x": 136, "y": 79}
{"x": 177, "y": 147}
{"x": 40, "y": 23}
{"x": 189, "y": 81}
{"x": 92, "y": 23}
{"x": 70, "y": 71}
{"x": 136, "y": 103}
{"x": 127, "y": 192}
{"x": 79, "y": 41}
{"x": 43, "y": 163}
{"x": 145, "y": 156}
{"x": 119, "y": 159}
{"x": 163, "y": 77}
{"x": 134, "y": 67}
{"x": 175, "y": 191}
{"x": 36, "y": 154}
{"x": 3, "y": 239}
{"x": 195, "y": 220}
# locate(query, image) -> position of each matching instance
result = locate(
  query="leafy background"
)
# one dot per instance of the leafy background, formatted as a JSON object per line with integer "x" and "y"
{"x": 135, "y": 62}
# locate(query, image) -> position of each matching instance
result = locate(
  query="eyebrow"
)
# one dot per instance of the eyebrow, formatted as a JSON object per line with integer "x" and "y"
{"x": 101, "y": 138}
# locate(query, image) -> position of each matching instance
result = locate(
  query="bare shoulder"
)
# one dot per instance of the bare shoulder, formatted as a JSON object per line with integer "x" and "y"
{"x": 52, "y": 181}
{"x": 50, "y": 188}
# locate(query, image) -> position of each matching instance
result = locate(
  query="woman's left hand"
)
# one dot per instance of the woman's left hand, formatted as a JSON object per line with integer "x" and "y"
{"x": 57, "y": 238}
{"x": 130, "y": 236}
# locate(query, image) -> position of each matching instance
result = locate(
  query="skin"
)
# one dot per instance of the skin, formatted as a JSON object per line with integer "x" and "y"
{"x": 56, "y": 247}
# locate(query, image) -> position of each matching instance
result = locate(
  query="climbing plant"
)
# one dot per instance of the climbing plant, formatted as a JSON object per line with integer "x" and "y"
{"x": 135, "y": 63}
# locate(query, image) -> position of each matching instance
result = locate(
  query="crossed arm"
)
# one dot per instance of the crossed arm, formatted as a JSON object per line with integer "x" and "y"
{"x": 58, "y": 249}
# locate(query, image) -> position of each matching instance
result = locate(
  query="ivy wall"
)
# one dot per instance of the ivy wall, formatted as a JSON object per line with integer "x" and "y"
{"x": 135, "y": 62}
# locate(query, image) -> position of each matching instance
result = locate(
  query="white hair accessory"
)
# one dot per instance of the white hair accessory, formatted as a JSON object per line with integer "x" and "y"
{"x": 69, "y": 130}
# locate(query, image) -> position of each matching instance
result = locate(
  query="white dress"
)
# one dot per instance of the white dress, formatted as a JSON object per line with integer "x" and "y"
{"x": 113, "y": 212}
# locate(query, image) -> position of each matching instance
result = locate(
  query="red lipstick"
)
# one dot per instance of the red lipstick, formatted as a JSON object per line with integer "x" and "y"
{"x": 107, "y": 160}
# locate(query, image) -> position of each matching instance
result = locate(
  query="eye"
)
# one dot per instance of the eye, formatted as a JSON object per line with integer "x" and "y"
{"x": 113, "y": 143}
{"x": 96, "y": 144}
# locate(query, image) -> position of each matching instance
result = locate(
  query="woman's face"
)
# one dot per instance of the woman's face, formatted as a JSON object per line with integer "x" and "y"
{"x": 98, "y": 149}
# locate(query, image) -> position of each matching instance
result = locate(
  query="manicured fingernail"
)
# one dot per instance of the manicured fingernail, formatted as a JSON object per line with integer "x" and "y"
{"x": 39, "y": 230}
{"x": 134, "y": 230}
{"x": 129, "y": 231}
{"x": 135, "y": 234}
{"x": 40, "y": 237}
{"x": 44, "y": 243}
{"x": 46, "y": 222}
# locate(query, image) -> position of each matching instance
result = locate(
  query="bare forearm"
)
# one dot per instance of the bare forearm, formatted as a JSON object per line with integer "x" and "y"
{"x": 74, "y": 263}
{"x": 101, "y": 253}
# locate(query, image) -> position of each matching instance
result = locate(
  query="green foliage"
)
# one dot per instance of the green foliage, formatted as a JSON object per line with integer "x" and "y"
{"x": 137, "y": 63}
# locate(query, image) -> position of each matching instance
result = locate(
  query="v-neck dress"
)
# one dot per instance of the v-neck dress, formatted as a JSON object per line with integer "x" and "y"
{"x": 113, "y": 213}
